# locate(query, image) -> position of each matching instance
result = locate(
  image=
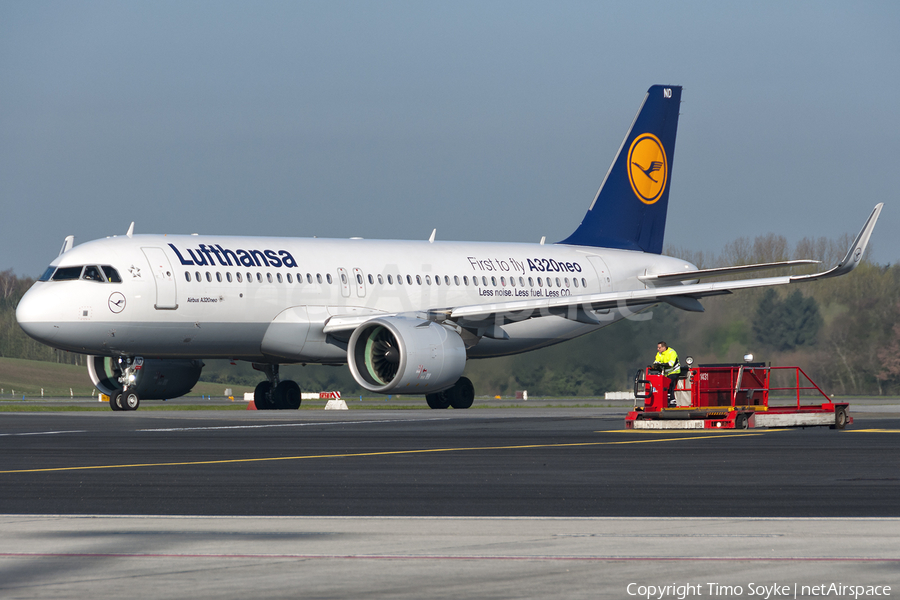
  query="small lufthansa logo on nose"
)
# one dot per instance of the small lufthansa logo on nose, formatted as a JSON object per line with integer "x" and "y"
{"x": 116, "y": 302}
{"x": 648, "y": 168}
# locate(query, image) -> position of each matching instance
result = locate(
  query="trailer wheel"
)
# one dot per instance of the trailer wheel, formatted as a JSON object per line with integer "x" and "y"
{"x": 840, "y": 418}
{"x": 740, "y": 421}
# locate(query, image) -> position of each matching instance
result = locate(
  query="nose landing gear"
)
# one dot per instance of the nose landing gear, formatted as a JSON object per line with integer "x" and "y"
{"x": 125, "y": 372}
{"x": 124, "y": 400}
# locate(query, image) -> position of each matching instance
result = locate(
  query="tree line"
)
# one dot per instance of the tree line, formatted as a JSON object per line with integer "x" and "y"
{"x": 844, "y": 332}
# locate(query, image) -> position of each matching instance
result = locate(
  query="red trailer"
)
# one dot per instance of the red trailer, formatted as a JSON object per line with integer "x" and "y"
{"x": 734, "y": 396}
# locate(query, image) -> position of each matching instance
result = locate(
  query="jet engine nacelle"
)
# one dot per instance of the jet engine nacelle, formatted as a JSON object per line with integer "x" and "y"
{"x": 157, "y": 378}
{"x": 401, "y": 355}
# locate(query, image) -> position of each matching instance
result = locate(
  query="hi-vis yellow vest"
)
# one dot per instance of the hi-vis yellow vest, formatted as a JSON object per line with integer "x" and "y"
{"x": 669, "y": 357}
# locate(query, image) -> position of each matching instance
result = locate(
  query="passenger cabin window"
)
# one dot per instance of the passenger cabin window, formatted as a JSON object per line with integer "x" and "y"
{"x": 187, "y": 276}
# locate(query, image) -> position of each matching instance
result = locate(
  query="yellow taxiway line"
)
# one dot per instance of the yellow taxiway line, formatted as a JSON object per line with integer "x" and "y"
{"x": 366, "y": 454}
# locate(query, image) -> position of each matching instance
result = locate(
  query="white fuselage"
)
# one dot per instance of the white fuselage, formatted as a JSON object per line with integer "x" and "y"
{"x": 216, "y": 296}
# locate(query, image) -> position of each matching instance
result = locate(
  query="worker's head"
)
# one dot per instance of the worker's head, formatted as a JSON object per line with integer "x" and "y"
{"x": 661, "y": 346}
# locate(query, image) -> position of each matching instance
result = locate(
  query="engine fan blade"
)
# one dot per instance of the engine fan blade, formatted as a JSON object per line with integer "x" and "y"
{"x": 385, "y": 355}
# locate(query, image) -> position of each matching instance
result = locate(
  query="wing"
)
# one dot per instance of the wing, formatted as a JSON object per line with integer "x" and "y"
{"x": 488, "y": 318}
{"x": 685, "y": 296}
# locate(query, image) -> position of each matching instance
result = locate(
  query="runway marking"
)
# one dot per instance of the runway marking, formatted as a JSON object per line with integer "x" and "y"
{"x": 505, "y": 557}
{"x": 363, "y": 454}
{"x": 268, "y": 425}
{"x": 210, "y": 428}
{"x": 42, "y": 433}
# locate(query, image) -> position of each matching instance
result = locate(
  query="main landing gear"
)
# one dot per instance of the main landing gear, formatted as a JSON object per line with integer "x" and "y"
{"x": 274, "y": 394}
{"x": 461, "y": 395}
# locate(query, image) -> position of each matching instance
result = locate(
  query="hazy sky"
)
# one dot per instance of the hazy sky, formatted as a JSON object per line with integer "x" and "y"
{"x": 486, "y": 120}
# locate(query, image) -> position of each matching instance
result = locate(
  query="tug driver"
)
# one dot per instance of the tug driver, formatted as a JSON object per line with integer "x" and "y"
{"x": 666, "y": 362}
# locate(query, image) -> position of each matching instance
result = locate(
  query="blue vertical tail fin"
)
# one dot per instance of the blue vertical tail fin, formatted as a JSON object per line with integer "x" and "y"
{"x": 629, "y": 210}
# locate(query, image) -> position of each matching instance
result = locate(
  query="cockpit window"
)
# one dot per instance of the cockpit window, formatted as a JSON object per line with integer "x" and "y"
{"x": 112, "y": 276}
{"x": 104, "y": 274}
{"x": 67, "y": 273}
{"x": 92, "y": 273}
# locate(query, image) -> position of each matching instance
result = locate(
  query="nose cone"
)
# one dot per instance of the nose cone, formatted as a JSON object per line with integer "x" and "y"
{"x": 35, "y": 314}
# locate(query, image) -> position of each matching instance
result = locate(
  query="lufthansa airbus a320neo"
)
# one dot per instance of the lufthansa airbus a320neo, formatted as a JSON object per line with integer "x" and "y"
{"x": 404, "y": 315}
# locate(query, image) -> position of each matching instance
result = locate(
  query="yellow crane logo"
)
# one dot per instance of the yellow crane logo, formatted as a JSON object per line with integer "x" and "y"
{"x": 648, "y": 169}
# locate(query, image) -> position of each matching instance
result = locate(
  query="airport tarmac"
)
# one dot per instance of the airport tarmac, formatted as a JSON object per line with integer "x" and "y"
{"x": 505, "y": 503}
{"x": 379, "y": 557}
